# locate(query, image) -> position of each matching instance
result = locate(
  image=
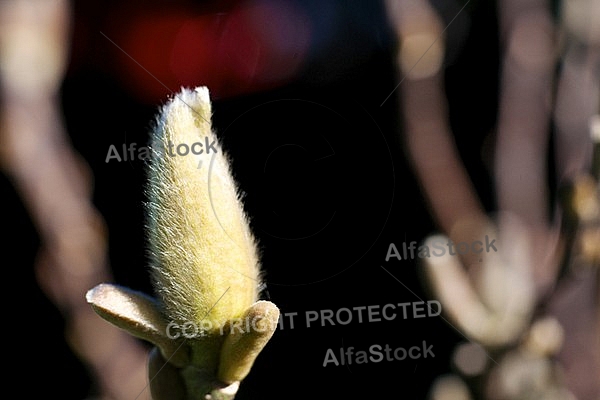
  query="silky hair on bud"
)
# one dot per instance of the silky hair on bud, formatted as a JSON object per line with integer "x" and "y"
{"x": 203, "y": 257}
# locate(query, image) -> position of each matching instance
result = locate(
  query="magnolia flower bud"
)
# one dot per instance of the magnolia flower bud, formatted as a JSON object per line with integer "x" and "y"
{"x": 204, "y": 263}
{"x": 200, "y": 242}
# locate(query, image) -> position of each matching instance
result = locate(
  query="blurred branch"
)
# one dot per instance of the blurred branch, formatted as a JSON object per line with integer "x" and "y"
{"x": 527, "y": 33}
{"x": 510, "y": 302}
{"x": 55, "y": 184}
{"x": 451, "y": 196}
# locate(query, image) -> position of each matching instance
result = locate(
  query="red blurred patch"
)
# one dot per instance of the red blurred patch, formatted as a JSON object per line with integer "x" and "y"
{"x": 256, "y": 46}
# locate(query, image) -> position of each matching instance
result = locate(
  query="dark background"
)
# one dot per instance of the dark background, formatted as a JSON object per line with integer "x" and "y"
{"x": 326, "y": 181}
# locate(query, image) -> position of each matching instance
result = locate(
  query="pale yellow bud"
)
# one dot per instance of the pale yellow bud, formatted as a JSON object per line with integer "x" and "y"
{"x": 203, "y": 256}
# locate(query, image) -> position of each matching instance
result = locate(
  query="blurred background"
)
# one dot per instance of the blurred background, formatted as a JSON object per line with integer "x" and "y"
{"x": 350, "y": 125}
